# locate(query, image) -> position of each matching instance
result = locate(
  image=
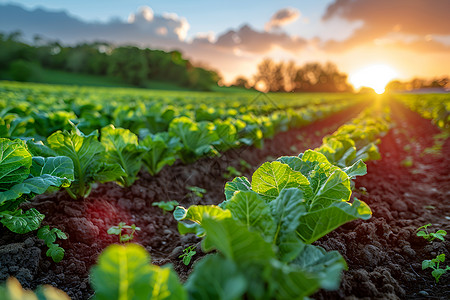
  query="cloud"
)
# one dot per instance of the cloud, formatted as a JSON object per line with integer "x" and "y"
{"x": 417, "y": 18}
{"x": 169, "y": 25}
{"x": 250, "y": 40}
{"x": 143, "y": 28}
{"x": 282, "y": 17}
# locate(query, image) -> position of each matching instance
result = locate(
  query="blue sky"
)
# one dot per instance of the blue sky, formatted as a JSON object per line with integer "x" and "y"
{"x": 202, "y": 15}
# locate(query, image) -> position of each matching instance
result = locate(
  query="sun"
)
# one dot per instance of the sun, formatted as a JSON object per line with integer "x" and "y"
{"x": 373, "y": 76}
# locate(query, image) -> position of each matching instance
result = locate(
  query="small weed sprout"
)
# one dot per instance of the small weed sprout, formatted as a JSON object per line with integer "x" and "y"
{"x": 197, "y": 191}
{"x": 245, "y": 165}
{"x": 49, "y": 236}
{"x": 430, "y": 236}
{"x": 166, "y": 206}
{"x": 408, "y": 162}
{"x": 434, "y": 264}
{"x": 124, "y": 231}
{"x": 231, "y": 172}
{"x": 187, "y": 254}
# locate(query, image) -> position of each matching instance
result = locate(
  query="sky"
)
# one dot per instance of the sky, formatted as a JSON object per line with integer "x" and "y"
{"x": 410, "y": 37}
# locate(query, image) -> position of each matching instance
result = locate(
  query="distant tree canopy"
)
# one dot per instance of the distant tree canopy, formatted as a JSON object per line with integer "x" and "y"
{"x": 311, "y": 77}
{"x": 418, "y": 83}
{"x": 131, "y": 64}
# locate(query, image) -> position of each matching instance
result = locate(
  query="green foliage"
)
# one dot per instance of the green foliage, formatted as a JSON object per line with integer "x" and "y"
{"x": 12, "y": 290}
{"x": 216, "y": 278}
{"x": 430, "y": 236}
{"x": 86, "y": 153}
{"x": 231, "y": 172}
{"x": 166, "y": 205}
{"x": 124, "y": 232}
{"x": 356, "y": 140}
{"x": 49, "y": 236}
{"x": 125, "y": 272}
{"x": 161, "y": 150}
{"x": 408, "y": 162}
{"x": 245, "y": 165}
{"x": 100, "y": 63}
{"x": 187, "y": 255}
{"x": 430, "y": 106}
{"x": 227, "y": 135}
{"x": 190, "y": 220}
{"x": 434, "y": 264}
{"x": 251, "y": 265}
{"x": 264, "y": 227}
{"x": 121, "y": 148}
{"x": 22, "y": 177}
{"x": 197, "y": 138}
{"x": 197, "y": 191}
{"x": 22, "y": 70}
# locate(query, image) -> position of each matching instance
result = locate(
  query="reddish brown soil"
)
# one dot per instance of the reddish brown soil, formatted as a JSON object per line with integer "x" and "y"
{"x": 384, "y": 254}
{"x": 86, "y": 222}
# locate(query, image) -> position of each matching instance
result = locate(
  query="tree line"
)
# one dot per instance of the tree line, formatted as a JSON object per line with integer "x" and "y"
{"x": 21, "y": 61}
{"x": 288, "y": 77}
{"x": 418, "y": 83}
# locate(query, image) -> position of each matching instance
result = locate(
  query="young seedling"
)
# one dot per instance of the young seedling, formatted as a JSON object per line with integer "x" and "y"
{"x": 434, "y": 264}
{"x": 231, "y": 172}
{"x": 430, "y": 236}
{"x": 362, "y": 190}
{"x": 408, "y": 162}
{"x": 166, "y": 206}
{"x": 197, "y": 191}
{"x": 187, "y": 254}
{"x": 245, "y": 165}
{"x": 124, "y": 231}
{"x": 294, "y": 149}
{"x": 49, "y": 236}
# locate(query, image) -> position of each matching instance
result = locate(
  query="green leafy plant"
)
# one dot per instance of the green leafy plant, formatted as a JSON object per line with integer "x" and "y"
{"x": 12, "y": 290}
{"x": 197, "y": 138}
{"x": 121, "y": 148}
{"x": 430, "y": 236}
{"x": 197, "y": 191}
{"x": 434, "y": 264}
{"x": 227, "y": 133}
{"x": 356, "y": 140}
{"x": 49, "y": 236}
{"x": 22, "y": 177}
{"x": 88, "y": 157}
{"x": 124, "y": 231}
{"x": 161, "y": 150}
{"x": 166, "y": 205}
{"x": 187, "y": 255}
{"x": 125, "y": 272}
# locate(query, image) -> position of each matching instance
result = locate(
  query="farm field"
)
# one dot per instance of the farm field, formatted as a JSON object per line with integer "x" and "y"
{"x": 290, "y": 217}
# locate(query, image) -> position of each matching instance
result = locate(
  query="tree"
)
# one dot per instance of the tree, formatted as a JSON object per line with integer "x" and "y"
{"x": 241, "y": 82}
{"x": 270, "y": 75}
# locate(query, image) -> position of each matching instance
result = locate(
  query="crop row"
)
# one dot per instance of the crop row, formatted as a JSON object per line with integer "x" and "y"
{"x": 38, "y": 111}
{"x": 430, "y": 106}
{"x": 74, "y": 160}
{"x": 262, "y": 232}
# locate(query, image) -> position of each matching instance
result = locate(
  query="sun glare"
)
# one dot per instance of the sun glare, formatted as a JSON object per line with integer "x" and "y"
{"x": 374, "y": 76}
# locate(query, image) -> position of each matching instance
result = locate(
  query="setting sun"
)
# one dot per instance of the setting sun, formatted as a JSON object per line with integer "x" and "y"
{"x": 374, "y": 76}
